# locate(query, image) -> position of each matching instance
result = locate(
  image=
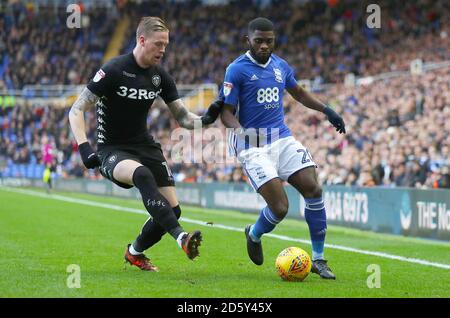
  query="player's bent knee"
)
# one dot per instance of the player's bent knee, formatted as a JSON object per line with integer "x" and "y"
{"x": 280, "y": 209}
{"x": 313, "y": 192}
{"x": 143, "y": 176}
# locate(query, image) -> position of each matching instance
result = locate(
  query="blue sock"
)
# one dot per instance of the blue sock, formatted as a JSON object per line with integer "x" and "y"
{"x": 317, "y": 222}
{"x": 265, "y": 224}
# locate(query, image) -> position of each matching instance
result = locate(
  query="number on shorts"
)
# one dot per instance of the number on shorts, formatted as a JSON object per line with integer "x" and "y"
{"x": 306, "y": 155}
{"x": 169, "y": 172}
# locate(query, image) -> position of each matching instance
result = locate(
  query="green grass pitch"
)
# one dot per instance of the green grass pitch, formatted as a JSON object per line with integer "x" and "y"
{"x": 41, "y": 235}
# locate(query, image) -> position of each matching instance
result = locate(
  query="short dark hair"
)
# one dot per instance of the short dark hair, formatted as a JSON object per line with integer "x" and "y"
{"x": 260, "y": 24}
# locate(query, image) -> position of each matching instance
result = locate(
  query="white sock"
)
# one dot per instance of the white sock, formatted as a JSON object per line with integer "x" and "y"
{"x": 250, "y": 233}
{"x": 180, "y": 237}
{"x": 133, "y": 251}
{"x": 317, "y": 256}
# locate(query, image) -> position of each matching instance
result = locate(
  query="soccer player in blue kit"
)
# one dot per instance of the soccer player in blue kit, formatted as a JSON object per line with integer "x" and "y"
{"x": 253, "y": 104}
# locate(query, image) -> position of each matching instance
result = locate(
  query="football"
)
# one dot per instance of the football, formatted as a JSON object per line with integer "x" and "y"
{"x": 293, "y": 264}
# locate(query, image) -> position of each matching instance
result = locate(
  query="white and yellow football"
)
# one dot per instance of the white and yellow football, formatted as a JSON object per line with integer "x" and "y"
{"x": 293, "y": 264}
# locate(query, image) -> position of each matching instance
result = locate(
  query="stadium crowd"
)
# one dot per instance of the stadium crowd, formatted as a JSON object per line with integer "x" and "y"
{"x": 37, "y": 47}
{"x": 397, "y": 128}
{"x": 397, "y": 135}
{"x": 397, "y": 132}
{"x": 205, "y": 39}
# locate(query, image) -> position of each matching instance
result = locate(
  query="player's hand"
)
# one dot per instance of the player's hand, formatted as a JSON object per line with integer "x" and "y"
{"x": 88, "y": 155}
{"x": 212, "y": 113}
{"x": 335, "y": 119}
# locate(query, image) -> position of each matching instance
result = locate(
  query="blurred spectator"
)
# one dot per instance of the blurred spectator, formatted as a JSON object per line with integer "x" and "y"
{"x": 442, "y": 178}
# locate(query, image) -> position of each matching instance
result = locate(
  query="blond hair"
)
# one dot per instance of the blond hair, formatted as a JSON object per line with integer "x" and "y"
{"x": 148, "y": 25}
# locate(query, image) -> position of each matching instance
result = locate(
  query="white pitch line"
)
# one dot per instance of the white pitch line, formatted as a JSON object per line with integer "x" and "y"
{"x": 225, "y": 227}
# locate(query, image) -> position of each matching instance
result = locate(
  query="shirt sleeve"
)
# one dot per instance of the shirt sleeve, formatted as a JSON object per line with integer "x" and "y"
{"x": 102, "y": 81}
{"x": 221, "y": 96}
{"x": 230, "y": 89}
{"x": 169, "y": 88}
{"x": 290, "y": 77}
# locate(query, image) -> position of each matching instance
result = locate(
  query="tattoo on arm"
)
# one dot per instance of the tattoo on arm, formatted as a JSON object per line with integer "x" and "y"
{"x": 178, "y": 111}
{"x": 182, "y": 115}
{"x": 86, "y": 100}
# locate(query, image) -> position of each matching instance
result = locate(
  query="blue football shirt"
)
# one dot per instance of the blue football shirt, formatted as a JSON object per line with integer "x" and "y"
{"x": 256, "y": 91}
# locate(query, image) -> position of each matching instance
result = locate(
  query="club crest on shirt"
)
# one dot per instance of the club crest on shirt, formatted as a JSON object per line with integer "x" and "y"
{"x": 156, "y": 80}
{"x": 99, "y": 75}
{"x": 278, "y": 76}
{"x": 227, "y": 87}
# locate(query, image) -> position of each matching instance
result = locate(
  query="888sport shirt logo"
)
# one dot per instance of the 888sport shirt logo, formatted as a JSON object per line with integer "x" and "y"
{"x": 269, "y": 89}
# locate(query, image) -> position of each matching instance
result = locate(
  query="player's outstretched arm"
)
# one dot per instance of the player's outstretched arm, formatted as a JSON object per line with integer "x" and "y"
{"x": 85, "y": 101}
{"x": 228, "y": 118}
{"x": 184, "y": 117}
{"x": 307, "y": 99}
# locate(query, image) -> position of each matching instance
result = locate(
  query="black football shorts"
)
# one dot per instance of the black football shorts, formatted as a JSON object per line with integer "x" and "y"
{"x": 149, "y": 155}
